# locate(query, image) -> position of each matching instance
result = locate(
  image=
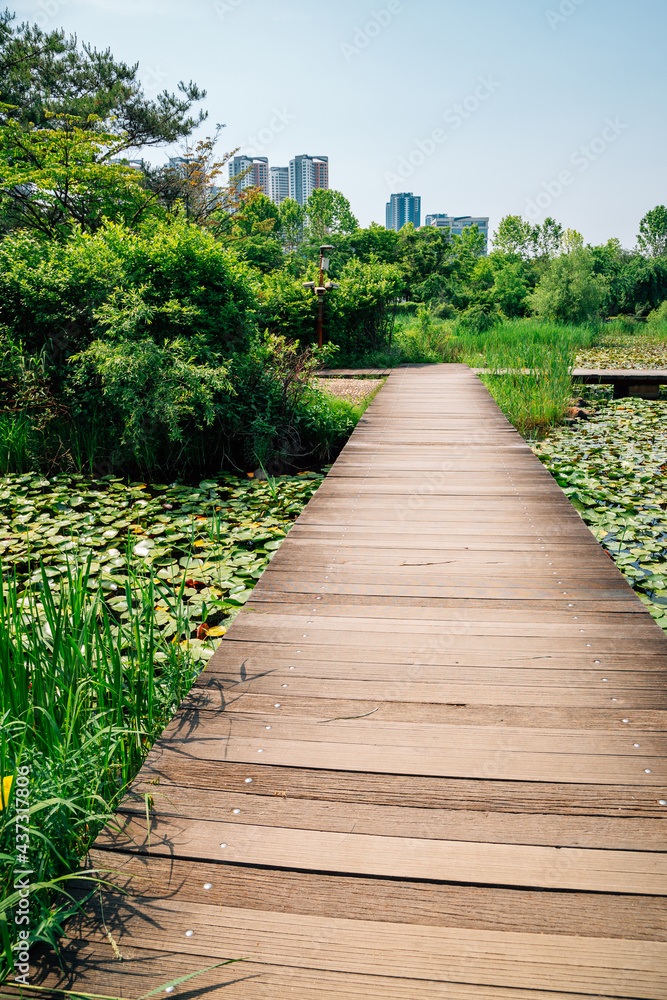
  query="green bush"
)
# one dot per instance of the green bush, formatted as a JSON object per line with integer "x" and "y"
{"x": 360, "y": 311}
{"x": 657, "y": 318}
{"x": 480, "y": 317}
{"x": 167, "y": 280}
{"x": 154, "y": 397}
{"x": 570, "y": 291}
{"x": 286, "y": 308}
{"x": 165, "y": 413}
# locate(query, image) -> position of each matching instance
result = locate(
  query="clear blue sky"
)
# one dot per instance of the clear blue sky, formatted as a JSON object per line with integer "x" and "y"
{"x": 368, "y": 84}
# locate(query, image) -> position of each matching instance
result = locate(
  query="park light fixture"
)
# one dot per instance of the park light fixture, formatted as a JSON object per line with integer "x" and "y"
{"x": 321, "y": 288}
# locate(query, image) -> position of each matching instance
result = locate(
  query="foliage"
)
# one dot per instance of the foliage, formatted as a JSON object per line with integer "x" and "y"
{"x": 612, "y": 469}
{"x": 513, "y": 236}
{"x": 56, "y": 180}
{"x": 66, "y": 113}
{"x": 511, "y": 288}
{"x": 164, "y": 412}
{"x": 286, "y": 307}
{"x": 42, "y": 72}
{"x": 292, "y": 222}
{"x": 532, "y": 386}
{"x": 154, "y": 396}
{"x": 361, "y": 317}
{"x": 425, "y": 257}
{"x": 658, "y": 317}
{"x": 375, "y": 241}
{"x": 481, "y": 317}
{"x": 652, "y": 238}
{"x": 644, "y": 284}
{"x": 114, "y": 596}
{"x": 328, "y": 213}
{"x": 168, "y": 280}
{"x": 189, "y": 182}
{"x": 547, "y": 239}
{"x": 570, "y": 291}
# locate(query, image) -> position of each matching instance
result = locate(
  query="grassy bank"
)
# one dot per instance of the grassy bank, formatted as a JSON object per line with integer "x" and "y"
{"x": 114, "y": 596}
{"x": 549, "y": 351}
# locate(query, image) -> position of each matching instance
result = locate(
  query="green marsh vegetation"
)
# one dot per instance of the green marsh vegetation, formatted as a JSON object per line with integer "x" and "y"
{"x": 613, "y": 469}
{"x": 113, "y": 598}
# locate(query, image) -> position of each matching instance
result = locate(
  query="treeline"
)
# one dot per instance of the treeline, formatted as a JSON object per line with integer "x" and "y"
{"x": 156, "y": 319}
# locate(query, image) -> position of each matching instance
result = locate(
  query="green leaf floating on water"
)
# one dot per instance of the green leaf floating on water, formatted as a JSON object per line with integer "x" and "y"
{"x": 613, "y": 467}
{"x": 204, "y": 546}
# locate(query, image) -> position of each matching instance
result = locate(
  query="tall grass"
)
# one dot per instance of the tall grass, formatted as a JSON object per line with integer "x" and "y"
{"x": 83, "y": 697}
{"x": 17, "y": 443}
{"x": 529, "y": 361}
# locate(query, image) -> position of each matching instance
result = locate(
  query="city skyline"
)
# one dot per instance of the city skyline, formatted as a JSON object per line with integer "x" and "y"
{"x": 527, "y": 108}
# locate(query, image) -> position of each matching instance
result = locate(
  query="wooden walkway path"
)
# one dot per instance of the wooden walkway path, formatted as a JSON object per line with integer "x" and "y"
{"x": 425, "y": 764}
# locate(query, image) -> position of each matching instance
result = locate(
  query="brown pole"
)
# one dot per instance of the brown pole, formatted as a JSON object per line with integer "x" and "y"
{"x": 320, "y": 317}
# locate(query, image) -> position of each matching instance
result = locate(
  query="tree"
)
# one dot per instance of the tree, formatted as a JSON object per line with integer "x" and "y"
{"x": 510, "y": 289}
{"x": 570, "y": 291}
{"x": 426, "y": 257}
{"x": 652, "y": 238}
{"x": 55, "y": 180}
{"x": 467, "y": 249}
{"x": 256, "y": 215}
{"x": 189, "y": 181}
{"x": 362, "y": 243}
{"x": 292, "y": 219}
{"x": 328, "y": 213}
{"x": 546, "y": 239}
{"x": 255, "y": 230}
{"x": 571, "y": 240}
{"x": 66, "y": 114}
{"x": 44, "y": 73}
{"x": 515, "y": 236}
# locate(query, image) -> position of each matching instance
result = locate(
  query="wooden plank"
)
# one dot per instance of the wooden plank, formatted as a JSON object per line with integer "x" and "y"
{"x": 139, "y": 973}
{"x": 636, "y": 872}
{"x": 169, "y": 808}
{"x": 424, "y": 759}
{"x": 393, "y": 900}
{"x": 165, "y": 768}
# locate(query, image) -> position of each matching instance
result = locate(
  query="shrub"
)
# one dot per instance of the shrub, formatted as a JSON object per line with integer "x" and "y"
{"x": 165, "y": 413}
{"x": 360, "y": 319}
{"x": 167, "y": 280}
{"x": 480, "y": 317}
{"x": 286, "y": 308}
{"x": 570, "y": 291}
{"x": 153, "y": 396}
{"x": 658, "y": 317}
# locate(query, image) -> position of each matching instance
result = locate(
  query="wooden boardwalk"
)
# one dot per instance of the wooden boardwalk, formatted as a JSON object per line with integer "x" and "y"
{"x": 425, "y": 763}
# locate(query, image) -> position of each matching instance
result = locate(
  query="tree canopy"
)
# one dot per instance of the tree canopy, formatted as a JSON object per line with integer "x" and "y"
{"x": 48, "y": 73}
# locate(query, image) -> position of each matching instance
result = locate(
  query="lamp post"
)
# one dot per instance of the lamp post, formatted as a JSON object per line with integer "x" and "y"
{"x": 321, "y": 289}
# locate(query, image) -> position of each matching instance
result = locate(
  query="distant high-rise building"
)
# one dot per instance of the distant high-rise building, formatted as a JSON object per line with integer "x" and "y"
{"x": 257, "y": 174}
{"x": 457, "y": 223}
{"x": 134, "y": 164}
{"x": 306, "y": 173}
{"x": 403, "y": 208}
{"x": 178, "y": 163}
{"x": 279, "y": 184}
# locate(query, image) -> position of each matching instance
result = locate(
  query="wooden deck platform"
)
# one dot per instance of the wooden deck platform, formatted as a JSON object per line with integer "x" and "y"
{"x": 426, "y": 763}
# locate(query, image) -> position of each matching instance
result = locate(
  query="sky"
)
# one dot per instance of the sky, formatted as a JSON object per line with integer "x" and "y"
{"x": 483, "y": 107}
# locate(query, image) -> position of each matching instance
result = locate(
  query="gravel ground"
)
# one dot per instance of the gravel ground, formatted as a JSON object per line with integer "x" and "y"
{"x": 354, "y": 390}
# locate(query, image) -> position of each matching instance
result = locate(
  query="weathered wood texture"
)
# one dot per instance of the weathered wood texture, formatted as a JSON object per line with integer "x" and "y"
{"x": 425, "y": 762}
